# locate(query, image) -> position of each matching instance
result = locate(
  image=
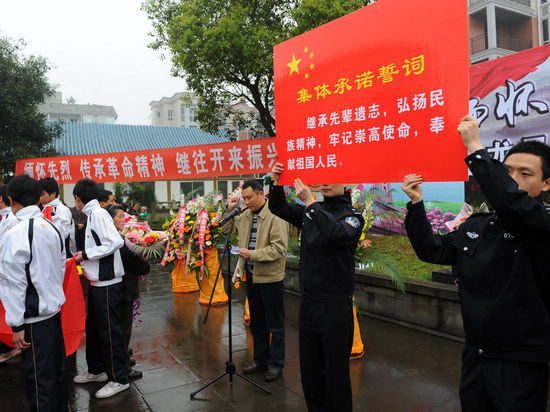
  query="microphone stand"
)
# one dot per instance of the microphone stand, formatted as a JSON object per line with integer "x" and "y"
{"x": 230, "y": 368}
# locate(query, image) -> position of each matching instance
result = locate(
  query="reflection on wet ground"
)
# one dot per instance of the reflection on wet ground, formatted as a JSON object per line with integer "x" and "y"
{"x": 403, "y": 370}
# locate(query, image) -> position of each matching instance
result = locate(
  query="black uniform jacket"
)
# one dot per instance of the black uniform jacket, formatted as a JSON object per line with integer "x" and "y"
{"x": 330, "y": 232}
{"x": 134, "y": 267}
{"x": 502, "y": 261}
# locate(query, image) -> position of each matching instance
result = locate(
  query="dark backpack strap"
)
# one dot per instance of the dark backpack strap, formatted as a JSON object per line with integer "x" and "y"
{"x": 58, "y": 233}
{"x": 32, "y": 302}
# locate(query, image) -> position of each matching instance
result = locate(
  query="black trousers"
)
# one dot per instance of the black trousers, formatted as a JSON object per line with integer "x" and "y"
{"x": 326, "y": 338}
{"x": 44, "y": 366}
{"x": 126, "y": 322}
{"x": 267, "y": 318}
{"x": 104, "y": 345}
{"x": 491, "y": 385}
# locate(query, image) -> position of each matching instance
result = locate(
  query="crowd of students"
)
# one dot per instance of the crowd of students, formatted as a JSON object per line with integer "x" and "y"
{"x": 38, "y": 234}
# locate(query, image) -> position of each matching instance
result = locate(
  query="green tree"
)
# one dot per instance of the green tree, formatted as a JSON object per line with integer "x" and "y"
{"x": 224, "y": 48}
{"x": 137, "y": 192}
{"x": 24, "y": 132}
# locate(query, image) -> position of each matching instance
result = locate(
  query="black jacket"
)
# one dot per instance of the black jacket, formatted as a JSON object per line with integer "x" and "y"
{"x": 330, "y": 232}
{"x": 502, "y": 261}
{"x": 134, "y": 267}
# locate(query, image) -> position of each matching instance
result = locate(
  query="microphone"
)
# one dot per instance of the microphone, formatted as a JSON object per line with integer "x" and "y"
{"x": 234, "y": 213}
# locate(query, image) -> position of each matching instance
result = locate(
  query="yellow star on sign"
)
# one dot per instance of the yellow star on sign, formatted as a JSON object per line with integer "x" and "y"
{"x": 306, "y": 49}
{"x": 294, "y": 65}
{"x": 306, "y": 75}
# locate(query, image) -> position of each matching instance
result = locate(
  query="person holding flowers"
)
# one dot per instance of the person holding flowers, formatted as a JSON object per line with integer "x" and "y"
{"x": 134, "y": 267}
{"x": 263, "y": 243}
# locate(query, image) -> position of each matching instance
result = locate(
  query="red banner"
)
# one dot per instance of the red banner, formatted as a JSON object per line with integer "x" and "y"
{"x": 375, "y": 95}
{"x": 177, "y": 163}
{"x": 510, "y": 98}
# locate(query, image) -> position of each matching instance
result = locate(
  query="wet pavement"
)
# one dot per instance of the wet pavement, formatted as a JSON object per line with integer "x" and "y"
{"x": 403, "y": 370}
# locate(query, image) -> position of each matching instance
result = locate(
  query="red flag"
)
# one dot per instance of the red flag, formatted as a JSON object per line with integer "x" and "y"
{"x": 73, "y": 312}
{"x": 6, "y": 335}
{"x": 487, "y": 76}
{"x": 47, "y": 212}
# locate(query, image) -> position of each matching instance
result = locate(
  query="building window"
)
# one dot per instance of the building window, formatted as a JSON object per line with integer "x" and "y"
{"x": 182, "y": 114}
{"x": 107, "y": 120}
{"x": 88, "y": 118}
{"x": 170, "y": 115}
{"x": 158, "y": 114}
{"x": 192, "y": 189}
{"x": 222, "y": 187}
{"x": 235, "y": 184}
{"x": 192, "y": 112}
{"x": 545, "y": 28}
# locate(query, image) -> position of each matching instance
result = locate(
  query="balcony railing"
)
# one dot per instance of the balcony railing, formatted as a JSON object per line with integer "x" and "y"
{"x": 478, "y": 43}
{"x": 522, "y": 2}
{"x": 505, "y": 41}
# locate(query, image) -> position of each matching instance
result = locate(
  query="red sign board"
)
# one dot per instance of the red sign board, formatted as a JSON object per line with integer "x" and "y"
{"x": 177, "y": 163}
{"x": 375, "y": 95}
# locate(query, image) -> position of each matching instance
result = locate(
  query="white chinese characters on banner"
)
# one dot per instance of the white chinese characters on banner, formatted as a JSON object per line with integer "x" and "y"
{"x": 226, "y": 159}
{"x": 157, "y": 164}
{"x": 353, "y": 119}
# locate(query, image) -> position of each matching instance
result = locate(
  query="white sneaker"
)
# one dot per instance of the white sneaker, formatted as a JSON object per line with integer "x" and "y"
{"x": 87, "y": 377}
{"x": 111, "y": 389}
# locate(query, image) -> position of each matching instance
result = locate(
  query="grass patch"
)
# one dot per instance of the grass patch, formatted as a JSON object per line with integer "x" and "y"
{"x": 400, "y": 249}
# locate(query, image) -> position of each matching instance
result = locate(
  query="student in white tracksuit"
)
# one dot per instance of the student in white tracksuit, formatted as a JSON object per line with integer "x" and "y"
{"x": 103, "y": 268}
{"x": 6, "y": 215}
{"x": 32, "y": 268}
{"x": 7, "y": 221}
{"x": 61, "y": 215}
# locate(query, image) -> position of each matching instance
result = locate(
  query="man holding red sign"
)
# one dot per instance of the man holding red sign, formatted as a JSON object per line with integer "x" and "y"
{"x": 330, "y": 232}
{"x": 502, "y": 263}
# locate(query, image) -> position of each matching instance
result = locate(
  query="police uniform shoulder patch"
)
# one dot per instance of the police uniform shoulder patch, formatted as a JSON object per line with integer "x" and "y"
{"x": 353, "y": 221}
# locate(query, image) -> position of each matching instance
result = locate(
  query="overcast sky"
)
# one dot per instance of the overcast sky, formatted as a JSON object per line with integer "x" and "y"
{"x": 97, "y": 50}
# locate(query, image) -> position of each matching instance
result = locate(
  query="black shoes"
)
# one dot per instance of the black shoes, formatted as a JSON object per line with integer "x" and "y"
{"x": 134, "y": 374}
{"x": 272, "y": 375}
{"x": 254, "y": 368}
{"x": 132, "y": 362}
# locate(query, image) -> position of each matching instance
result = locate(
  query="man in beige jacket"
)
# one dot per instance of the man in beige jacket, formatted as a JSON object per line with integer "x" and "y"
{"x": 263, "y": 242}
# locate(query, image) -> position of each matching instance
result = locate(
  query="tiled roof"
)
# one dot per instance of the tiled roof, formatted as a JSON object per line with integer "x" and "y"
{"x": 79, "y": 109}
{"x": 92, "y": 138}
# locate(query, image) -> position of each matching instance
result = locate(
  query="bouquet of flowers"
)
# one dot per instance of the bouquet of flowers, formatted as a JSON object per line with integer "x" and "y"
{"x": 193, "y": 233}
{"x": 140, "y": 239}
{"x": 439, "y": 221}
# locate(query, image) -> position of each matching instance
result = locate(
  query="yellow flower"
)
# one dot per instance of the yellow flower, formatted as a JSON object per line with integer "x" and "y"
{"x": 362, "y": 236}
